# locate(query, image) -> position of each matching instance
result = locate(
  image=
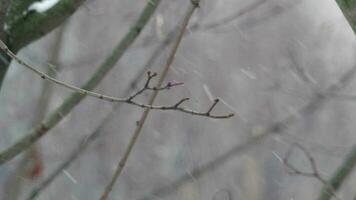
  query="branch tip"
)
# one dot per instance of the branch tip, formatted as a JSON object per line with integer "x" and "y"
{"x": 216, "y": 101}
{"x": 180, "y": 102}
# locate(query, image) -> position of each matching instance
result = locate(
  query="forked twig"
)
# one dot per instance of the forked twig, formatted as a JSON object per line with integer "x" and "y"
{"x": 314, "y": 173}
{"x": 122, "y": 162}
{"x": 128, "y": 100}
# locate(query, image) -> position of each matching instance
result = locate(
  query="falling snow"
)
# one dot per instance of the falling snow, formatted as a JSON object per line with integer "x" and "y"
{"x": 208, "y": 92}
{"x": 244, "y": 63}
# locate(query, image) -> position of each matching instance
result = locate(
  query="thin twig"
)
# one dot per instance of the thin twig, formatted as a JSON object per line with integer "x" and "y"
{"x": 279, "y": 127}
{"x": 128, "y": 100}
{"x": 123, "y": 160}
{"x": 58, "y": 114}
{"x": 314, "y": 173}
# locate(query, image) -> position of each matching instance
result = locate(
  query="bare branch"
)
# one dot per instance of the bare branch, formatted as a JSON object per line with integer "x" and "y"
{"x": 292, "y": 170}
{"x": 314, "y": 173}
{"x": 128, "y": 100}
{"x": 216, "y": 101}
{"x": 122, "y": 162}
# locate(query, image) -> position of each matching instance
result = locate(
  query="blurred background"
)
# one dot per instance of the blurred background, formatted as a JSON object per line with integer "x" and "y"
{"x": 263, "y": 58}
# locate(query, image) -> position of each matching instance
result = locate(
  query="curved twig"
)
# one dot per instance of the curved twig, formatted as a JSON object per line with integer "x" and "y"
{"x": 128, "y": 100}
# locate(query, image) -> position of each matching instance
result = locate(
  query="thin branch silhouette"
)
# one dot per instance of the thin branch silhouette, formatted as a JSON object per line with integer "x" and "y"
{"x": 314, "y": 173}
{"x": 122, "y": 162}
{"x": 128, "y": 100}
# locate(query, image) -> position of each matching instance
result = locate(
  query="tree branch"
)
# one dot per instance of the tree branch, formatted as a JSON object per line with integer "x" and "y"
{"x": 128, "y": 100}
{"x": 123, "y": 160}
{"x": 314, "y": 173}
{"x": 56, "y": 116}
